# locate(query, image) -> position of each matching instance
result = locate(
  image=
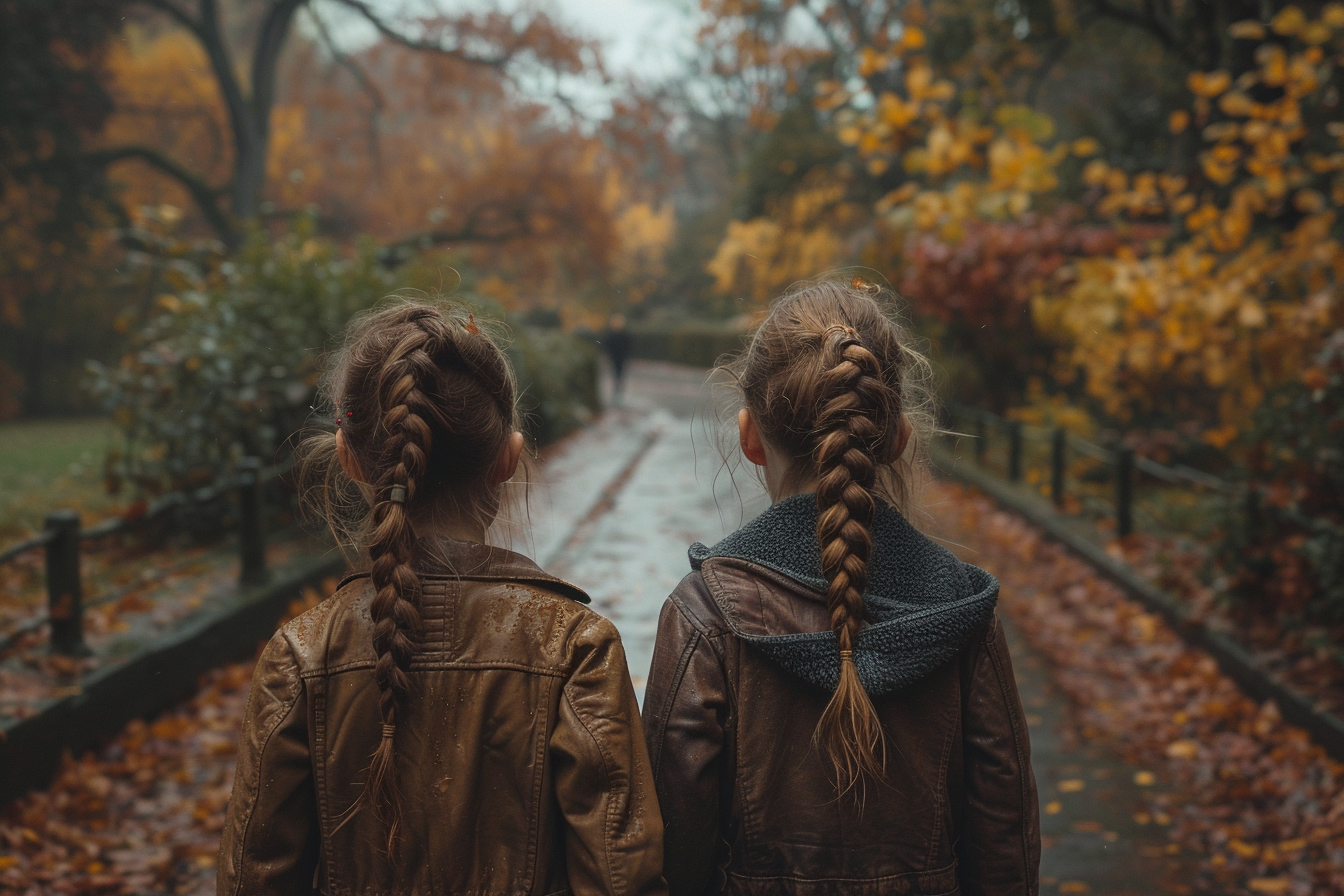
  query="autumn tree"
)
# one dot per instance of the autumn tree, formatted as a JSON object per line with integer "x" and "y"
{"x": 53, "y": 204}
{"x": 231, "y": 191}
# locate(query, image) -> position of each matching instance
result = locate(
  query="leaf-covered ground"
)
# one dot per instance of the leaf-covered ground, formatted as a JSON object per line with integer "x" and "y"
{"x": 144, "y": 814}
{"x": 1262, "y": 807}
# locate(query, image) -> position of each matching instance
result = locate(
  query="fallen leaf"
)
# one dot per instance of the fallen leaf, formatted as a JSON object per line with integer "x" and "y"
{"x": 1182, "y": 749}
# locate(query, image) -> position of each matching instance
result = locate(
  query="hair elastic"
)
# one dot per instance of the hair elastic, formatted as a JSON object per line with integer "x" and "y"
{"x": 844, "y": 330}
{"x": 389, "y": 730}
{"x": 846, "y": 655}
{"x": 398, "y": 494}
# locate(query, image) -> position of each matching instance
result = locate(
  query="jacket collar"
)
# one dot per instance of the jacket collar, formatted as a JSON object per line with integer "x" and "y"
{"x": 449, "y": 558}
{"x": 923, "y": 603}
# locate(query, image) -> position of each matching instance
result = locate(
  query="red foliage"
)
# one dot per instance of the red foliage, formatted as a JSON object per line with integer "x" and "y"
{"x": 1257, "y": 802}
{"x": 979, "y": 287}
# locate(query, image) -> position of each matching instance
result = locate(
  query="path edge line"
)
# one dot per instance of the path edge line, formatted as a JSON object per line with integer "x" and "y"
{"x": 605, "y": 500}
{"x": 1325, "y": 728}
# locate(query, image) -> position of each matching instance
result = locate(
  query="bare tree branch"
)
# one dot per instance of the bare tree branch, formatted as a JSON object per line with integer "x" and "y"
{"x": 498, "y": 60}
{"x": 205, "y": 196}
{"x": 471, "y": 231}
{"x": 176, "y": 13}
{"x": 361, "y": 77}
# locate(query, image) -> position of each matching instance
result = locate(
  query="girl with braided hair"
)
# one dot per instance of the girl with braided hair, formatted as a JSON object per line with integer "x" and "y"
{"x": 452, "y": 719}
{"x": 831, "y": 707}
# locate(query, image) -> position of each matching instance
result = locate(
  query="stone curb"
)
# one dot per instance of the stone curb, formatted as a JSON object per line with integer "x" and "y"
{"x": 1236, "y": 661}
{"x": 163, "y": 673}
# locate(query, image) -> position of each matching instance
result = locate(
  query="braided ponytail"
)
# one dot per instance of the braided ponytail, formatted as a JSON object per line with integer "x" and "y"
{"x": 396, "y": 605}
{"x": 426, "y": 403}
{"x": 849, "y": 728}
{"x": 832, "y": 382}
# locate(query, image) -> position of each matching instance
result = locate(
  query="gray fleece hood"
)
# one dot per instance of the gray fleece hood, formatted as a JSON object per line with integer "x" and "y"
{"x": 924, "y": 605}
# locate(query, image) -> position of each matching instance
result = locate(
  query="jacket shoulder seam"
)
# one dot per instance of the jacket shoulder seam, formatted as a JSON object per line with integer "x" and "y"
{"x": 698, "y": 621}
{"x": 421, "y": 664}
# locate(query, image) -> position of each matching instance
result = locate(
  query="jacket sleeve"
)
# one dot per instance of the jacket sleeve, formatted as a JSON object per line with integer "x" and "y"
{"x": 685, "y": 711}
{"x": 999, "y": 850}
{"x": 603, "y": 783}
{"x": 271, "y": 834}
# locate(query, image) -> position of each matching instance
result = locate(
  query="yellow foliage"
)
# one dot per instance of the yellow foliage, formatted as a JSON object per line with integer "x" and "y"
{"x": 1198, "y": 320}
{"x": 758, "y": 258}
{"x": 1209, "y": 84}
{"x": 1288, "y": 21}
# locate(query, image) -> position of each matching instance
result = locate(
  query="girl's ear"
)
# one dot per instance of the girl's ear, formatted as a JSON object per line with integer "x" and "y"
{"x": 346, "y": 458}
{"x": 508, "y": 459}
{"x": 904, "y": 429}
{"x": 749, "y": 437}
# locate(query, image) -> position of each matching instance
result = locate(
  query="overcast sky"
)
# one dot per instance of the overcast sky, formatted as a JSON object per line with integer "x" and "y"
{"x": 647, "y": 38}
{"x": 644, "y": 38}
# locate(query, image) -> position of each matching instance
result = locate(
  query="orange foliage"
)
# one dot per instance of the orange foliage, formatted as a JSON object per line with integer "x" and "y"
{"x": 420, "y": 150}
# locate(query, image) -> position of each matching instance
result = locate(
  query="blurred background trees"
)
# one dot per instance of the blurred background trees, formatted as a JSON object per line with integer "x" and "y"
{"x": 1112, "y": 211}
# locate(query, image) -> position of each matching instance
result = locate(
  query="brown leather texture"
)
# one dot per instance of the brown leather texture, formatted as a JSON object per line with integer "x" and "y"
{"x": 521, "y": 763}
{"x": 748, "y": 801}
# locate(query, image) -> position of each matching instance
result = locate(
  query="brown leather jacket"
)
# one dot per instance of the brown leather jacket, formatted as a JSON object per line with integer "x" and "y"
{"x": 748, "y": 802}
{"x": 522, "y": 764}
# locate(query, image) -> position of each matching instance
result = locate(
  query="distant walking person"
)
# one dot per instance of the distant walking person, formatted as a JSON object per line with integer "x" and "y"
{"x": 831, "y": 707}
{"x": 616, "y": 340}
{"x": 453, "y": 719}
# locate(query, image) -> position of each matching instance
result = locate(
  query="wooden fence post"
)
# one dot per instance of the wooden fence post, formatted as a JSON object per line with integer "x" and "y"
{"x": 1014, "y": 451}
{"x": 1058, "y": 445}
{"x": 65, "y": 595}
{"x": 1124, "y": 491}
{"x": 1251, "y": 510}
{"x": 251, "y": 536}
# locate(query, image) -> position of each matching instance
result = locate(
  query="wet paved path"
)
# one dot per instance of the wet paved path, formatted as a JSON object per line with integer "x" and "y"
{"x": 619, "y": 503}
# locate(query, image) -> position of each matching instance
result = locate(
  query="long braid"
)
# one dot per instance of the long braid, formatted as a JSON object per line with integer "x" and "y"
{"x": 847, "y": 437}
{"x": 396, "y": 606}
{"x": 425, "y": 402}
{"x": 831, "y": 381}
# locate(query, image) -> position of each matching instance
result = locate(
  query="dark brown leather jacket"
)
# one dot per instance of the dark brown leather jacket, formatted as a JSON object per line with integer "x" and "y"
{"x": 522, "y": 763}
{"x": 735, "y": 693}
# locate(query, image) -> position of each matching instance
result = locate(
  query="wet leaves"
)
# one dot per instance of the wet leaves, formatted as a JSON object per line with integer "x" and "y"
{"x": 143, "y": 816}
{"x": 1257, "y": 802}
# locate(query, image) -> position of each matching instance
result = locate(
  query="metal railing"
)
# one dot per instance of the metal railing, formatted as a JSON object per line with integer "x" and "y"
{"x": 62, "y": 539}
{"x": 1123, "y": 462}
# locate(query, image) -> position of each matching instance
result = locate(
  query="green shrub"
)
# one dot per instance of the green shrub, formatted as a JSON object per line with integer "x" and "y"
{"x": 1291, "y": 553}
{"x": 227, "y": 366}
{"x": 557, "y": 379}
{"x": 695, "y": 344}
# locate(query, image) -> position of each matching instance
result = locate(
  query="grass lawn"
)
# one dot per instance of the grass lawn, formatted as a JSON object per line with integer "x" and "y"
{"x": 47, "y": 465}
